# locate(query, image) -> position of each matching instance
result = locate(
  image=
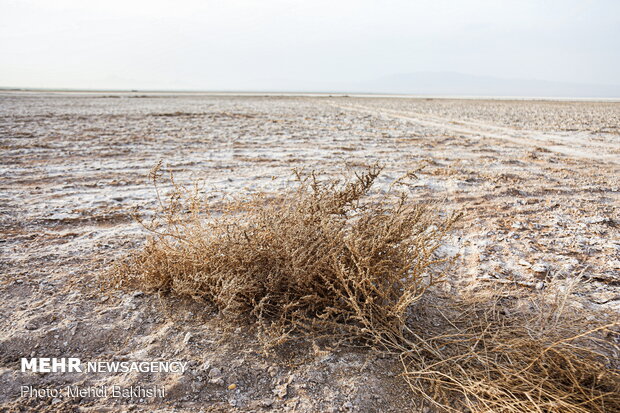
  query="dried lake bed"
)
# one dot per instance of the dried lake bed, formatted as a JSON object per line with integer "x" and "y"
{"x": 538, "y": 181}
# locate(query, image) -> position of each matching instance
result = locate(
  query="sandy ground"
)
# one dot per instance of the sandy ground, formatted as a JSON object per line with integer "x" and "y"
{"x": 539, "y": 182}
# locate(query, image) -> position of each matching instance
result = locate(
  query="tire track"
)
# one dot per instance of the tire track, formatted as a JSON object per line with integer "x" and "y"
{"x": 571, "y": 146}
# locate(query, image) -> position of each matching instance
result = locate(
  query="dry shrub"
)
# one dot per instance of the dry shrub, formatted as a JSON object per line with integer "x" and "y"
{"x": 490, "y": 356}
{"x": 324, "y": 257}
{"x": 330, "y": 258}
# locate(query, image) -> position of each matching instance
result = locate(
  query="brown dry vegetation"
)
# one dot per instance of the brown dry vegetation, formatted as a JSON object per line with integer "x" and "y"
{"x": 330, "y": 258}
{"x": 321, "y": 258}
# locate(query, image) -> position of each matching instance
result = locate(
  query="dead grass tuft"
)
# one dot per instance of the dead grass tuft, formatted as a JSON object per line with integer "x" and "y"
{"x": 491, "y": 356}
{"x": 324, "y": 257}
{"x": 332, "y": 258}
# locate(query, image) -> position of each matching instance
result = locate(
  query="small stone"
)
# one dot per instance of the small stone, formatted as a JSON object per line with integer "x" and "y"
{"x": 31, "y": 326}
{"x": 218, "y": 380}
{"x": 539, "y": 285}
{"x": 595, "y": 220}
{"x": 348, "y": 405}
{"x": 266, "y": 403}
{"x": 281, "y": 391}
{"x": 604, "y": 297}
{"x": 215, "y": 372}
{"x": 187, "y": 338}
{"x": 540, "y": 267}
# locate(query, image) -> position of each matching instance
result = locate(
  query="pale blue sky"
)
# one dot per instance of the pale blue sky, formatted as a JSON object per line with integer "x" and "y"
{"x": 233, "y": 44}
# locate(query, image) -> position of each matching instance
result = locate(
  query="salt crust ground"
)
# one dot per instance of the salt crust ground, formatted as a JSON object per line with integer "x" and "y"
{"x": 539, "y": 182}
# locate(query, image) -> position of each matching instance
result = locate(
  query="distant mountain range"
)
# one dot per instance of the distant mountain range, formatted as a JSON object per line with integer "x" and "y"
{"x": 450, "y": 84}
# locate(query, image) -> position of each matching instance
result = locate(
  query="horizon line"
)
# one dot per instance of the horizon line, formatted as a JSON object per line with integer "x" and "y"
{"x": 4, "y": 89}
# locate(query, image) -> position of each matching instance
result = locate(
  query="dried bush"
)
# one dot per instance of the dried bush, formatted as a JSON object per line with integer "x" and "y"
{"x": 488, "y": 356}
{"x": 324, "y": 257}
{"x": 331, "y": 258}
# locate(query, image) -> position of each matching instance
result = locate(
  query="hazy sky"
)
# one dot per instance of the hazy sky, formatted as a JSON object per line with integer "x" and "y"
{"x": 243, "y": 44}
